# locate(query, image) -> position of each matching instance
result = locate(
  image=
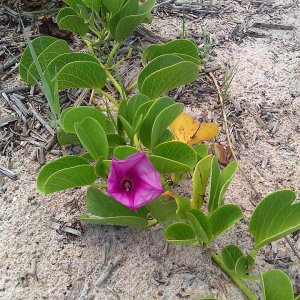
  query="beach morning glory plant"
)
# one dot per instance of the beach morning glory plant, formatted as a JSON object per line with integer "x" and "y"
{"x": 140, "y": 146}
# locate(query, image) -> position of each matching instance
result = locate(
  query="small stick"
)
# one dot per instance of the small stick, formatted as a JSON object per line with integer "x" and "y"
{"x": 228, "y": 133}
{"x": 108, "y": 270}
{"x": 41, "y": 120}
{"x": 8, "y": 173}
{"x": 15, "y": 89}
{"x": 6, "y": 120}
{"x": 66, "y": 229}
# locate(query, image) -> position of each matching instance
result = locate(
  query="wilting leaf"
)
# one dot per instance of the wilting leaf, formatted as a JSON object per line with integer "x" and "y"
{"x": 222, "y": 152}
{"x": 274, "y": 217}
{"x": 188, "y": 130}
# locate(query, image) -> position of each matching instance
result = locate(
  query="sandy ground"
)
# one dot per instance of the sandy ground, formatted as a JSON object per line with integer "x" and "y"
{"x": 38, "y": 262}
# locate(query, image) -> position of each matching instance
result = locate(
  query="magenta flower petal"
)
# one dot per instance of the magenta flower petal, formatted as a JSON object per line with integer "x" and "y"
{"x": 133, "y": 181}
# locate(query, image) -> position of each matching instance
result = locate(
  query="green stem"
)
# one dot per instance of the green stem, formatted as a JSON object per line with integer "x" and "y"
{"x": 197, "y": 203}
{"x": 112, "y": 54}
{"x": 98, "y": 185}
{"x": 247, "y": 292}
{"x": 131, "y": 86}
{"x": 109, "y": 97}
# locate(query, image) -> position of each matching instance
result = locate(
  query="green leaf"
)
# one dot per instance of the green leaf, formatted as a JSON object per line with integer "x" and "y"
{"x": 160, "y": 115}
{"x": 133, "y": 105}
{"x": 200, "y": 179}
{"x": 101, "y": 169}
{"x": 219, "y": 182}
{"x": 163, "y": 121}
{"x": 114, "y": 140}
{"x": 201, "y": 150}
{"x": 113, "y": 6}
{"x": 76, "y": 114}
{"x": 127, "y": 127}
{"x": 180, "y": 233}
{"x": 46, "y": 49}
{"x": 164, "y": 211}
{"x": 74, "y": 4}
{"x": 63, "y": 173}
{"x": 178, "y": 47}
{"x": 68, "y": 19}
{"x": 93, "y": 4}
{"x": 63, "y": 59}
{"x": 66, "y": 138}
{"x": 224, "y": 217}
{"x": 165, "y": 73}
{"x": 57, "y": 165}
{"x": 122, "y": 152}
{"x": 92, "y": 137}
{"x": 105, "y": 210}
{"x": 80, "y": 74}
{"x": 173, "y": 157}
{"x": 200, "y": 224}
{"x": 183, "y": 204}
{"x": 276, "y": 285}
{"x": 242, "y": 266}
{"x": 128, "y": 18}
{"x": 230, "y": 255}
{"x": 274, "y": 217}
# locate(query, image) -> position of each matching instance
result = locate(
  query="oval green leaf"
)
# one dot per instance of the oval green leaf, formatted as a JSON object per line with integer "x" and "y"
{"x": 46, "y": 48}
{"x": 276, "y": 285}
{"x": 274, "y": 217}
{"x": 92, "y": 137}
{"x": 180, "y": 233}
{"x": 105, "y": 210}
{"x": 55, "y": 166}
{"x": 76, "y": 114}
{"x": 224, "y": 217}
{"x": 178, "y": 47}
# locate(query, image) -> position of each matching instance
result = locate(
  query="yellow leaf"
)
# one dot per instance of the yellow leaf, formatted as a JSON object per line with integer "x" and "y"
{"x": 206, "y": 131}
{"x": 184, "y": 127}
{"x": 188, "y": 130}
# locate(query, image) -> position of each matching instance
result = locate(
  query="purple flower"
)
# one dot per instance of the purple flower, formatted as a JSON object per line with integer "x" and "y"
{"x": 134, "y": 181}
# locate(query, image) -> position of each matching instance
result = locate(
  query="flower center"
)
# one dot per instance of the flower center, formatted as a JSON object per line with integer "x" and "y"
{"x": 126, "y": 185}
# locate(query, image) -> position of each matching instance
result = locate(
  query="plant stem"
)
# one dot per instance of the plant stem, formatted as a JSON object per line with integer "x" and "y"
{"x": 131, "y": 86}
{"x": 112, "y": 54}
{"x": 109, "y": 97}
{"x": 233, "y": 277}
